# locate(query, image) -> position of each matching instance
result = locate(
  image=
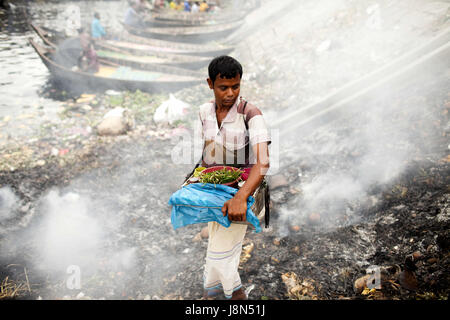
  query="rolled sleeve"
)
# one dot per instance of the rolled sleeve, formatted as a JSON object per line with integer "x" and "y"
{"x": 258, "y": 131}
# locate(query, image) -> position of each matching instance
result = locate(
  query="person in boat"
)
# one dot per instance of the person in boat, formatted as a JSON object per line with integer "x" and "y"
{"x": 214, "y": 8}
{"x": 97, "y": 30}
{"x": 157, "y": 4}
{"x": 85, "y": 39}
{"x": 88, "y": 60}
{"x": 144, "y": 6}
{"x": 132, "y": 17}
{"x": 204, "y": 6}
{"x": 180, "y": 5}
{"x": 187, "y": 6}
{"x": 235, "y": 130}
{"x": 195, "y": 7}
{"x": 172, "y": 5}
{"x": 143, "y": 9}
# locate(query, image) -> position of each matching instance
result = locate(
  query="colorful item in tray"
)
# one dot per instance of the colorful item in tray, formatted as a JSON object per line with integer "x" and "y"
{"x": 245, "y": 174}
{"x": 220, "y": 175}
{"x": 198, "y": 171}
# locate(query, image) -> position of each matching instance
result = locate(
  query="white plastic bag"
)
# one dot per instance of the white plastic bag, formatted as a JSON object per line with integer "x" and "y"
{"x": 171, "y": 110}
{"x": 116, "y": 112}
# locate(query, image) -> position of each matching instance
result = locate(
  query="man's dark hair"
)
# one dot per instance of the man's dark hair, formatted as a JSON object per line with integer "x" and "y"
{"x": 97, "y": 15}
{"x": 226, "y": 66}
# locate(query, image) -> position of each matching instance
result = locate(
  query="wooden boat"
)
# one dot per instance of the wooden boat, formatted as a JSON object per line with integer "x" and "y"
{"x": 156, "y": 23}
{"x": 188, "y": 19}
{"x": 212, "y": 49}
{"x": 114, "y": 54}
{"x": 50, "y": 37}
{"x": 193, "y": 18}
{"x": 142, "y": 46}
{"x": 188, "y": 34}
{"x": 119, "y": 52}
{"x": 113, "y": 76}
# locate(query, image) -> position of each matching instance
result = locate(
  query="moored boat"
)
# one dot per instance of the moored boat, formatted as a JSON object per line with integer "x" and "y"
{"x": 126, "y": 57}
{"x": 126, "y": 41}
{"x": 183, "y": 24}
{"x": 113, "y": 76}
{"x": 124, "y": 54}
{"x": 211, "y": 49}
{"x": 181, "y": 19}
{"x": 190, "y": 17}
{"x": 188, "y": 34}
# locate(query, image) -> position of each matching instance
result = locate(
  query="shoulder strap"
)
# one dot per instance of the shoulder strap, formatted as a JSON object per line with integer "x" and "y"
{"x": 245, "y": 118}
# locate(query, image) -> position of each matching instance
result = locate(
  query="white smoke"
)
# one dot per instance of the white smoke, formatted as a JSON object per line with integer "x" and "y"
{"x": 316, "y": 48}
{"x": 8, "y": 203}
{"x": 124, "y": 260}
{"x": 69, "y": 233}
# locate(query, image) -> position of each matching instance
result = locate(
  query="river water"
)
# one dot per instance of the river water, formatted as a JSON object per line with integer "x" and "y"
{"x": 28, "y": 96}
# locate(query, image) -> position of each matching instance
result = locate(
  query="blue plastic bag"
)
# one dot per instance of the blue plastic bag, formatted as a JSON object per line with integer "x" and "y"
{"x": 198, "y": 203}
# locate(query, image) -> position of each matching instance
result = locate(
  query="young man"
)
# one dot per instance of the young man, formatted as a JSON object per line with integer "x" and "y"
{"x": 234, "y": 133}
{"x": 97, "y": 30}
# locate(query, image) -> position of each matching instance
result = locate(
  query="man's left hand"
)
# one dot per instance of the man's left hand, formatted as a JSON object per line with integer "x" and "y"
{"x": 236, "y": 208}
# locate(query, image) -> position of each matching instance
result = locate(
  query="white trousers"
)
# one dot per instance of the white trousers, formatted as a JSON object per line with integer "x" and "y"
{"x": 222, "y": 257}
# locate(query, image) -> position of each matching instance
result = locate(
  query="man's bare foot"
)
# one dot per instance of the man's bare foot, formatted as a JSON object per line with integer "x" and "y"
{"x": 239, "y": 295}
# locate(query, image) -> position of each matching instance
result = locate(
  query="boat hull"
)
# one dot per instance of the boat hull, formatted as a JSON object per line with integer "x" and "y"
{"x": 79, "y": 80}
{"x": 134, "y": 44}
{"x": 187, "y": 35}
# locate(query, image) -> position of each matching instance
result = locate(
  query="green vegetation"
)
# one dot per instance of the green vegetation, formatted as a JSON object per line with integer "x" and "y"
{"x": 220, "y": 176}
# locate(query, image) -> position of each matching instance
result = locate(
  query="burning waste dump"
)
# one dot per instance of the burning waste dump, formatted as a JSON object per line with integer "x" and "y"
{"x": 357, "y": 103}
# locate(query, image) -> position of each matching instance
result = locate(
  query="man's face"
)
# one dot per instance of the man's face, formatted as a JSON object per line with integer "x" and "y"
{"x": 226, "y": 91}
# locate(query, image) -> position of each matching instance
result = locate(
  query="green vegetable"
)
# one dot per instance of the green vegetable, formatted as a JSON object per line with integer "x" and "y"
{"x": 220, "y": 176}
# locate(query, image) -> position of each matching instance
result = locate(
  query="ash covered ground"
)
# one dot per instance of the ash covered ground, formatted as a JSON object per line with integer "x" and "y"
{"x": 139, "y": 255}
